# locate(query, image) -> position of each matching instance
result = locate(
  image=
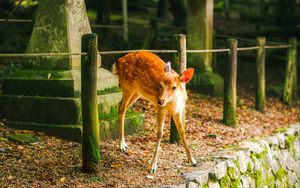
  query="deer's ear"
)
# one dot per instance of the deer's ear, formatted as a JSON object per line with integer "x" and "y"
{"x": 187, "y": 75}
{"x": 168, "y": 67}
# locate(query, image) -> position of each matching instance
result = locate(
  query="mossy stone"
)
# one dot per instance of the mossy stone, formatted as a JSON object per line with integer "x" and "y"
{"x": 24, "y": 138}
{"x": 36, "y": 109}
{"x": 207, "y": 83}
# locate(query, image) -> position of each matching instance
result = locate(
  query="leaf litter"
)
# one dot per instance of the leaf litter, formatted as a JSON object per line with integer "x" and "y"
{"x": 53, "y": 162}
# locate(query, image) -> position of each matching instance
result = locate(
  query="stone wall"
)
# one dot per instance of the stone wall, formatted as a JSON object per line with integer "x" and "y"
{"x": 272, "y": 161}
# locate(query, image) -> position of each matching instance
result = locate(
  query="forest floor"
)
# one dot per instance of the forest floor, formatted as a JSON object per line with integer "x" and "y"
{"x": 57, "y": 163}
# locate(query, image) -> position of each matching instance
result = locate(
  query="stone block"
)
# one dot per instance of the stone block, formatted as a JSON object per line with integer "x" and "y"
{"x": 199, "y": 176}
{"x": 212, "y": 184}
{"x": 245, "y": 181}
{"x": 281, "y": 140}
{"x": 192, "y": 185}
{"x": 207, "y": 83}
{"x": 292, "y": 178}
{"x": 219, "y": 171}
{"x": 274, "y": 166}
{"x": 232, "y": 170}
{"x": 47, "y": 110}
{"x": 134, "y": 122}
{"x": 273, "y": 141}
{"x": 243, "y": 159}
{"x": 254, "y": 147}
{"x": 297, "y": 149}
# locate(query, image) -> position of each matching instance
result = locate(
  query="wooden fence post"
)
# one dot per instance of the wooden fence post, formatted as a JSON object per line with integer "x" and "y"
{"x": 229, "y": 111}
{"x": 290, "y": 83}
{"x": 180, "y": 62}
{"x": 260, "y": 92}
{"x": 90, "y": 120}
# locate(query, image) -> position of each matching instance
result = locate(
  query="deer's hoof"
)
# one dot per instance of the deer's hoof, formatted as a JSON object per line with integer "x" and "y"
{"x": 123, "y": 146}
{"x": 153, "y": 168}
{"x": 152, "y": 171}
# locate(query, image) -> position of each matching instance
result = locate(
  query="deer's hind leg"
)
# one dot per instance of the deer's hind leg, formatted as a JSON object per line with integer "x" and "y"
{"x": 129, "y": 96}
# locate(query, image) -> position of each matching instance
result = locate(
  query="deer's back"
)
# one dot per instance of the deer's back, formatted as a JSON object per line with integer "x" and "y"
{"x": 142, "y": 68}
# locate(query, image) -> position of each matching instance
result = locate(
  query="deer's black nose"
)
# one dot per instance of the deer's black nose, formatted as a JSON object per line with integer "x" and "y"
{"x": 160, "y": 102}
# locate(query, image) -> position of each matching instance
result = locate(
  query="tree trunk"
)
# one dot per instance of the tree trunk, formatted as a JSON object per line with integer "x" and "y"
{"x": 200, "y": 32}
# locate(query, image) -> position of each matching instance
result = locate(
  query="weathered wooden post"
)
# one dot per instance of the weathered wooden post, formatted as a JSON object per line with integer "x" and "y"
{"x": 180, "y": 62}
{"x": 229, "y": 111}
{"x": 290, "y": 83}
{"x": 260, "y": 92}
{"x": 90, "y": 119}
{"x": 125, "y": 20}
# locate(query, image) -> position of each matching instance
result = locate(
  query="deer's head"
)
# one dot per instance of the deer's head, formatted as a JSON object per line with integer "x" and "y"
{"x": 172, "y": 83}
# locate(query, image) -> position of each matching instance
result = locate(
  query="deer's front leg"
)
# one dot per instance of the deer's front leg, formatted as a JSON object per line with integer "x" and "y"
{"x": 161, "y": 114}
{"x": 178, "y": 118}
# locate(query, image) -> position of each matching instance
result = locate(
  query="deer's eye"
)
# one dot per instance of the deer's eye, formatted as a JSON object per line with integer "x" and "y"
{"x": 174, "y": 87}
{"x": 160, "y": 86}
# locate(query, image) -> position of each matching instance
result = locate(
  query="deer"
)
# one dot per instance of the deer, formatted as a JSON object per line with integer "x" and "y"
{"x": 145, "y": 75}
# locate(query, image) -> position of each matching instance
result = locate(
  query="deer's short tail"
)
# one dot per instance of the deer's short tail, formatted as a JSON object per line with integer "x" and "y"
{"x": 114, "y": 69}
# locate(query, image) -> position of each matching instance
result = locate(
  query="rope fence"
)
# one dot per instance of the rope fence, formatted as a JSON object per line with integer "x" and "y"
{"x": 131, "y": 51}
{"x": 41, "y": 54}
{"x": 12, "y": 55}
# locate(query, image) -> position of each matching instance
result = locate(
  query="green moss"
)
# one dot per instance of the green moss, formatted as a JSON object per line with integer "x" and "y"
{"x": 258, "y": 178}
{"x": 205, "y": 186}
{"x": 236, "y": 164}
{"x": 263, "y": 154}
{"x": 235, "y": 183}
{"x": 280, "y": 130}
{"x": 290, "y": 144}
{"x": 109, "y": 90}
{"x": 50, "y": 110}
{"x": 280, "y": 174}
{"x": 225, "y": 182}
{"x": 207, "y": 83}
{"x": 231, "y": 173}
{"x": 249, "y": 169}
{"x": 270, "y": 180}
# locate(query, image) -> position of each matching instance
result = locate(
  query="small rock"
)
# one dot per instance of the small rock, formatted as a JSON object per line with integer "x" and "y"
{"x": 273, "y": 141}
{"x": 192, "y": 185}
{"x": 24, "y": 138}
{"x": 274, "y": 166}
{"x": 297, "y": 149}
{"x": 292, "y": 177}
{"x": 219, "y": 171}
{"x": 252, "y": 146}
{"x": 245, "y": 181}
{"x": 150, "y": 177}
{"x": 243, "y": 160}
{"x": 235, "y": 172}
{"x": 2, "y": 150}
{"x": 281, "y": 140}
{"x": 213, "y": 184}
{"x": 201, "y": 177}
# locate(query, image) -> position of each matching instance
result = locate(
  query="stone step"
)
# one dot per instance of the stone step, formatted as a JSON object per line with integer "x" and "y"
{"x": 50, "y": 110}
{"x": 54, "y": 83}
{"x": 134, "y": 123}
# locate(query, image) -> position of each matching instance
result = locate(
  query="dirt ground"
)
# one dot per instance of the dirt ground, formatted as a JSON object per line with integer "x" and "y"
{"x": 55, "y": 162}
